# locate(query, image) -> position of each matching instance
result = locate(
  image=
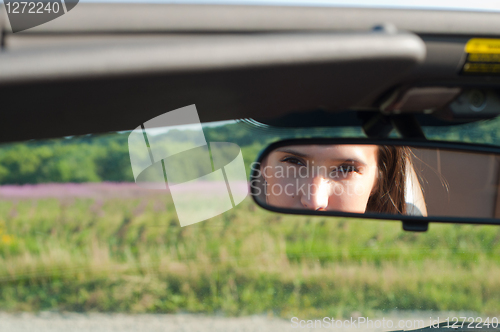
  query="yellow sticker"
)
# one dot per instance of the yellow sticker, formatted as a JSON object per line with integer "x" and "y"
{"x": 483, "y": 57}
{"x": 493, "y": 68}
{"x": 480, "y": 57}
{"x": 483, "y": 45}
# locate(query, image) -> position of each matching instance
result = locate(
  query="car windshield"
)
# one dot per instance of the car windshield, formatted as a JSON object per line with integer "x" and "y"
{"x": 83, "y": 247}
{"x": 482, "y": 5}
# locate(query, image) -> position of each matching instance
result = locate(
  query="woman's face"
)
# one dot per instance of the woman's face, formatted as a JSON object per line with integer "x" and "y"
{"x": 321, "y": 177}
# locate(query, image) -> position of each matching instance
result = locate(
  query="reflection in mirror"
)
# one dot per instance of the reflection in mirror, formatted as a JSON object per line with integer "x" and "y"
{"x": 361, "y": 178}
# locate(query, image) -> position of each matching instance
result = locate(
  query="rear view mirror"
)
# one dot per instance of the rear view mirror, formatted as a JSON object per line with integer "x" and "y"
{"x": 415, "y": 182}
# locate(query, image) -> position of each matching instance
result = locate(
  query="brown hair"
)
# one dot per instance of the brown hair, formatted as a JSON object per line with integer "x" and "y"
{"x": 389, "y": 194}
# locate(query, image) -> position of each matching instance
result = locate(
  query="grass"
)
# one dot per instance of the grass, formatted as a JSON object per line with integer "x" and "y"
{"x": 128, "y": 254}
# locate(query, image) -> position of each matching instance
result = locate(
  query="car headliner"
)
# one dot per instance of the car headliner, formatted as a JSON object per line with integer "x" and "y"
{"x": 107, "y": 67}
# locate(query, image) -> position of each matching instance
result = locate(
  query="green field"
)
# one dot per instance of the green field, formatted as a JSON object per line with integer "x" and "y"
{"x": 124, "y": 251}
{"x": 128, "y": 254}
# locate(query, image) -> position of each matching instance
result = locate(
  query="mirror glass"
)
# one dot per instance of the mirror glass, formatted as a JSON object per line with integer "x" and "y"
{"x": 364, "y": 178}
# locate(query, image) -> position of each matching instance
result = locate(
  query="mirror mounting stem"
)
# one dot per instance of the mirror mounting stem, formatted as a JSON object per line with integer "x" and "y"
{"x": 407, "y": 126}
{"x": 379, "y": 125}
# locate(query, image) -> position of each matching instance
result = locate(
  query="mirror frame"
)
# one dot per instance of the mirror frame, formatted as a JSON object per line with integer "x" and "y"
{"x": 411, "y": 223}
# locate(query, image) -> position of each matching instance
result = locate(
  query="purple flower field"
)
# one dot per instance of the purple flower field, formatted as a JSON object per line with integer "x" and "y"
{"x": 98, "y": 190}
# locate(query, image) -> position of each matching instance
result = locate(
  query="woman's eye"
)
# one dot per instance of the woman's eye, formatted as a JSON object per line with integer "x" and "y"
{"x": 293, "y": 160}
{"x": 348, "y": 169}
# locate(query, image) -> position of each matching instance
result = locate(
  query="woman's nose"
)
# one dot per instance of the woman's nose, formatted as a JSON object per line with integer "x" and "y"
{"x": 317, "y": 194}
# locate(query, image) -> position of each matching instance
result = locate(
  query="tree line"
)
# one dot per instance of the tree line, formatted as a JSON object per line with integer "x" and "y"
{"x": 95, "y": 158}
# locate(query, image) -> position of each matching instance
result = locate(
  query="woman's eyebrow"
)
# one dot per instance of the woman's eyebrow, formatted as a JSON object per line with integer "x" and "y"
{"x": 336, "y": 160}
{"x": 349, "y": 160}
{"x": 291, "y": 151}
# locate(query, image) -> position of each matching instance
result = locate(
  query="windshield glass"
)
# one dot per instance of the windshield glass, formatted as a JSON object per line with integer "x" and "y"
{"x": 85, "y": 248}
{"x": 481, "y": 5}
